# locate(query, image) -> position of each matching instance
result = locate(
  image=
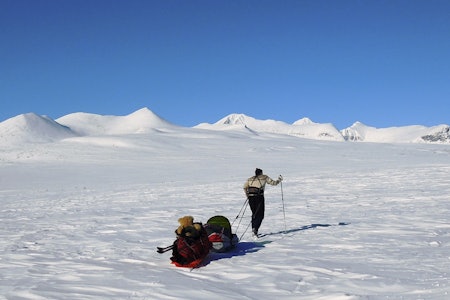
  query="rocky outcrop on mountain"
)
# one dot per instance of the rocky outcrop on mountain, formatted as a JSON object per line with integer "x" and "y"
{"x": 441, "y": 134}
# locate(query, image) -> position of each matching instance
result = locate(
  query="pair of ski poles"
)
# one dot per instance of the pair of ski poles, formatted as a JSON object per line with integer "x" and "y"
{"x": 244, "y": 207}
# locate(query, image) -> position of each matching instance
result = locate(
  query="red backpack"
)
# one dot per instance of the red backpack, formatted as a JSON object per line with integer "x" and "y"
{"x": 190, "y": 247}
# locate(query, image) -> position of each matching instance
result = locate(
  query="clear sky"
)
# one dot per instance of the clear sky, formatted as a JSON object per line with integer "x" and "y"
{"x": 381, "y": 62}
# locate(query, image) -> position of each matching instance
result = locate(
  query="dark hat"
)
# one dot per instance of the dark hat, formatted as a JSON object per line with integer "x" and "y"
{"x": 258, "y": 172}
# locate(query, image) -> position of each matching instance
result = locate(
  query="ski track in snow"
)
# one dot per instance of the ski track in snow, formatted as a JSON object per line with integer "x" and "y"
{"x": 368, "y": 225}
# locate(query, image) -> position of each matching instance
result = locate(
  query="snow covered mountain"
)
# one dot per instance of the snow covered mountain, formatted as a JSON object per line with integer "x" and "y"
{"x": 33, "y": 128}
{"x": 304, "y": 128}
{"x": 309, "y": 129}
{"x": 141, "y": 121}
{"x": 406, "y": 134}
{"x": 440, "y": 133}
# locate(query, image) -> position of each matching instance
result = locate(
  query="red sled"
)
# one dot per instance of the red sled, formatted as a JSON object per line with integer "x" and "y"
{"x": 192, "y": 265}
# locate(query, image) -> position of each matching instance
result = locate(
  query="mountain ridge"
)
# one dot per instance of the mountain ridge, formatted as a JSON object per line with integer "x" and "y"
{"x": 34, "y": 128}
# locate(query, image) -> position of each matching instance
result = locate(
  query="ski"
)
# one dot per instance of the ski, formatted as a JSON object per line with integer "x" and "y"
{"x": 164, "y": 249}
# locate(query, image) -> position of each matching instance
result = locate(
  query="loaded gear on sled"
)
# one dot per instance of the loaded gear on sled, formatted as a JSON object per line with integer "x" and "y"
{"x": 220, "y": 235}
{"x": 192, "y": 244}
{"x": 194, "y": 241}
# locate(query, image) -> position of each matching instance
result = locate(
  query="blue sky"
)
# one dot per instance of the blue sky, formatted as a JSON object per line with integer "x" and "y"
{"x": 384, "y": 63}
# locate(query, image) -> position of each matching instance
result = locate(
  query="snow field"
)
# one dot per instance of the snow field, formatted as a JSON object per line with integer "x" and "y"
{"x": 81, "y": 218}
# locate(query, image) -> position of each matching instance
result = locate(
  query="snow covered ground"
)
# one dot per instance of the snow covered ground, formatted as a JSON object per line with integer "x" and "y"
{"x": 81, "y": 218}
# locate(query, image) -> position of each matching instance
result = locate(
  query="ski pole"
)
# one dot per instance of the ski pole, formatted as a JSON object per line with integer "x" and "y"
{"x": 249, "y": 223}
{"x": 282, "y": 201}
{"x": 240, "y": 238}
{"x": 243, "y": 206}
{"x": 243, "y": 209}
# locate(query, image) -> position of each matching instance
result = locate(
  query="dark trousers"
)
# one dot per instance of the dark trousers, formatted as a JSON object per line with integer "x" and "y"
{"x": 257, "y": 206}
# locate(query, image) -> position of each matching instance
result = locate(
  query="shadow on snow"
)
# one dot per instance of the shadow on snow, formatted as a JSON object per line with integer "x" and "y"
{"x": 306, "y": 227}
{"x": 243, "y": 248}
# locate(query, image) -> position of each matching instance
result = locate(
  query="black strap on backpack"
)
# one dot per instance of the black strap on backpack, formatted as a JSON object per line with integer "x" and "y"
{"x": 255, "y": 191}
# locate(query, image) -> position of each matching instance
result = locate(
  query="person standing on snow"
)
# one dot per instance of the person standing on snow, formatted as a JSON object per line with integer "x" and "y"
{"x": 254, "y": 190}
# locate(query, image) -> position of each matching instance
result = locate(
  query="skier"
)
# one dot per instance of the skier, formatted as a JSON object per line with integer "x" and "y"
{"x": 254, "y": 190}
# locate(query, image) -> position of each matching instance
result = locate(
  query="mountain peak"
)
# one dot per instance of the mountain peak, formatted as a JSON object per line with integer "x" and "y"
{"x": 31, "y": 127}
{"x": 359, "y": 124}
{"x": 145, "y": 119}
{"x": 303, "y": 121}
{"x": 235, "y": 119}
{"x": 144, "y": 113}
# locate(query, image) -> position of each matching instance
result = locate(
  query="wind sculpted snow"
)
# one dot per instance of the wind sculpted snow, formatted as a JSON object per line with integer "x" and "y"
{"x": 81, "y": 217}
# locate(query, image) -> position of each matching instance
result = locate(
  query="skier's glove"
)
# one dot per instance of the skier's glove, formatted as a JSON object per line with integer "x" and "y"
{"x": 280, "y": 178}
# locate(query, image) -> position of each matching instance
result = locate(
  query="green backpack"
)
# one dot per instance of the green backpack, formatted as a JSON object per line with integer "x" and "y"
{"x": 220, "y": 235}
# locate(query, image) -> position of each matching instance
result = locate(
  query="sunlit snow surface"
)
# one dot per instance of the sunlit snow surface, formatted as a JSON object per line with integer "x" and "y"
{"x": 81, "y": 217}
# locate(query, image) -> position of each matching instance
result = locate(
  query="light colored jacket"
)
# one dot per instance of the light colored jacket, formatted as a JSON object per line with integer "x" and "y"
{"x": 259, "y": 182}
